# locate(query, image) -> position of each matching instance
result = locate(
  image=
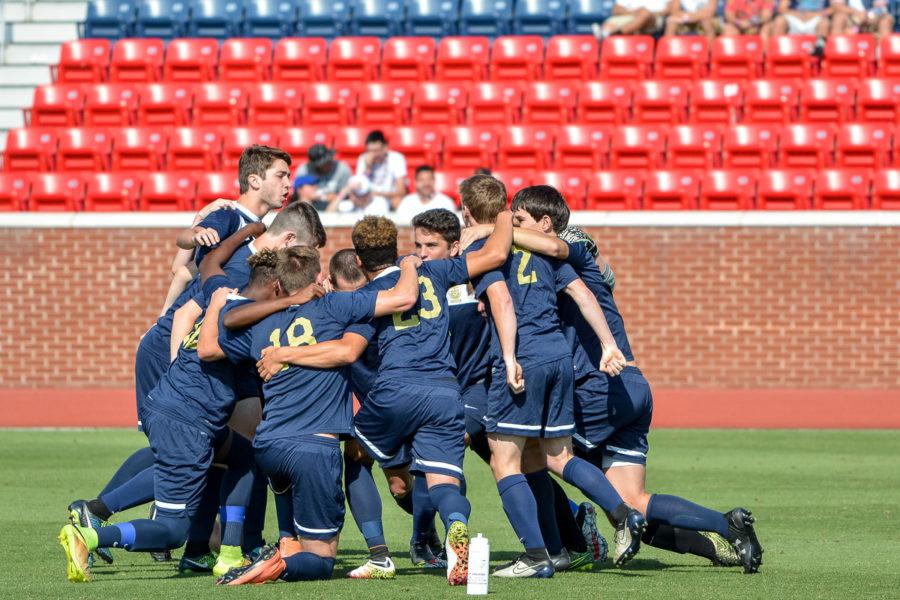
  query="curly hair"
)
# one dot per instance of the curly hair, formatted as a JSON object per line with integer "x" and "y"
{"x": 375, "y": 242}
{"x": 297, "y": 267}
{"x": 262, "y": 265}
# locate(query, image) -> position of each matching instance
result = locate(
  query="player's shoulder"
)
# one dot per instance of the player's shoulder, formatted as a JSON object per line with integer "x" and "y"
{"x": 460, "y": 295}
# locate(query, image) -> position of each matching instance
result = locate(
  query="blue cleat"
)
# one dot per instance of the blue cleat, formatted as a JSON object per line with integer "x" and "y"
{"x": 743, "y": 539}
{"x": 80, "y": 514}
{"x": 628, "y": 537}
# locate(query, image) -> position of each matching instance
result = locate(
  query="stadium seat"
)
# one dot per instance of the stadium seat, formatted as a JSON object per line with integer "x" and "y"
{"x": 682, "y": 57}
{"x": 539, "y": 17}
{"x": 714, "y": 101}
{"x": 218, "y": 19}
{"x": 432, "y": 18}
{"x": 604, "y": 102}
{"x": 581, "y": 147}
{"x": 30, "y": 149}
{"x": 784, "y": 189}
{"x": 384, "y": 103}
{"x": 571, "y": 184}
{"x": 572, "y": 58}
{"x": 863, "y": 145}
{"x": 728, "y": 190}
{"x": 886, "y": 189}
{"x": 300, "y": 59}
{"x": 841, "y": 189}
{"x": 329, "y": 103}
{"x": 806, "y": 145}
{"x": 849, "y": 56}
{"x": 513, "y": 180}
{"x": 219, "y": 103}
{"x": 246, "y": 59}
{"x": 378, "y": 18}
{"x": 525, "y": 147}
{"x": 889, "y": 56}
{"x": 273, "y": 104}
{"x": 57, "y": 105}
{"x": 14, "y": 191}
{"x": 111, "y": 192}
{"x": 750, "y": 146}
{"x": 354, "y": 59}
{"x": 584, "y": 13}
{"x": 768, "y": 101}
{"x": 421, "y": 145}
{"x": 615, "y": 190}
{"x": 324, "y": 18}
{"x": 694, "y": 147}
{"x": 110, "y": 104}
{"x": 194, "y": 149}
{"x": 448, "y": 182}
{"x": 470, "y": 148}
{"x": 110, "y": 19}
{"x": 297, "y": 140}
{"x": 660, "y": 101}
{"x": 273, "y": 19}
{"x": 637, "y": 146}
{"x": 790, "y": 57}
{"x": 214, "y": 185}
{"x": 463, "y": 59}
{"x": 83, "y": 149}
{"x": 827, "y": 100}
{"x": 56, "y": 192}
{"x": 878, "y": 100}
{"x": 165, "y": 19}
{"x": 517, "y": 58}
{"x": 349, "y": 143}
{"x": 408, "y": 59}
{"x": 82, "y": 61}
{"x": 736, "y": 57}
{"x": 490, "y": 18}
{"x": 167, "y": 192}
{"x": 494, "y": 103}
{"x": 138, "y": 149}
{"x": 671, "y": 190}
{"x": 626, "y": 57}
{"x": 548, "y": 102}
{"x": 166, "y": 104}
{"x": 439, "y": 103}
{"x": 191, "y": 60}
{"x": 137, "y": 60}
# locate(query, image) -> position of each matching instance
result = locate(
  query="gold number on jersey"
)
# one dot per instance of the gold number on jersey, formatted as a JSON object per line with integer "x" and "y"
{"x": 304, "y": 338}
{"x": 191, "y": 339}
{"x": 427, "y": 295}
{"x": 525, "y": 279}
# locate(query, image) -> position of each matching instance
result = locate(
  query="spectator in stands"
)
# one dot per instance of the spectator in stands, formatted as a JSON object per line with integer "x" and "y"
{"x": 384, "y": 168}
{"x": 692, "y": 17}
{"x": 803, "y": 17}
{"x": 631, "y": 17}
{"x": 862, "y": 16}
{"x": 358, "y": 198}
{"x": 331, "y": 176}
{"x": 748, "y": 17}
{"x": 424, "y": 198}
{"x": 305, "y": 191}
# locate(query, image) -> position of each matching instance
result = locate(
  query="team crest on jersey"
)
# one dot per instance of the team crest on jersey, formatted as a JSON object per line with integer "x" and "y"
{"x": 461, "y": 294}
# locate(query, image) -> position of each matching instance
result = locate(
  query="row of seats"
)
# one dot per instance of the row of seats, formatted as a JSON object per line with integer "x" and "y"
{"x": 383, "y": 18}
{"x": 603, "y": 190}
{"x": 454, "y": 103}
{"x": 516, "y": 147}
{"x": 510, "y": 58}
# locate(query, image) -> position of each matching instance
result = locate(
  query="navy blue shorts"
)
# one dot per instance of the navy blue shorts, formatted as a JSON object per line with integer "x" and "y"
{"x": 314, "y": 466}
{"x": 545, "y": 409}
{"x": 150, "y": 364}
{"x": 428, "y": 417}
{"x": 475, "y": 403}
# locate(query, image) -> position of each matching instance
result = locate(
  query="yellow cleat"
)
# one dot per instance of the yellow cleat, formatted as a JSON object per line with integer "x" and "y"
{"x": 77, "y": 553}
{"x": 230, "y": 557}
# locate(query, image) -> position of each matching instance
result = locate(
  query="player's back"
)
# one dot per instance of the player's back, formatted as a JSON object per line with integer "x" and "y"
{"x": 470, "y": 337}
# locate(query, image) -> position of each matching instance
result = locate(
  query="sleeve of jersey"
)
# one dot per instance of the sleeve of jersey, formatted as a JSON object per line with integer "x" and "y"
{"x": 212, "y": 284}
{"x": 457, "y": 271}
{"x": 235, "y": 343}
{"x": 579, "y": 257}
{"x": 355, "y": 307}
{"x": 565, "y": 275}
{"x": 225, "y": 221}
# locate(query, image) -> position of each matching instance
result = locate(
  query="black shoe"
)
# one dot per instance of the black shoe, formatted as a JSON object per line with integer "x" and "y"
{"x": 420, "y": 553}
{"x": 743, "y": 539}
{"x": 526, "y": 567}
{"x": 80, "y": 514}
{"x": 433, "y": 541}
{"x": 628, "y": 536}
{"x": 165, "y": 555}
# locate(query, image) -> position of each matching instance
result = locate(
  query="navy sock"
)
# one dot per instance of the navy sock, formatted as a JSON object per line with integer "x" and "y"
{"x": 204, "y": 519}
{"x": 165, "y": 533}
{"x": 256, "y": 513}
{"x": 284, "y": 510}
{"x": 233, "y": 528}
{"x": 678, "y": 512}
{"x": 593, "y": 484}
{"x": 405, "y": 502}
{"x": 521, "y": 509}
{"x": 542, "y": 488}
{"x": 365, "y": 502}
{"x": 306, "y": 566}
{"x": 451, "y": 504}
{"x": 423, "y": 510}
{"x": 134, "y": 464}
{"x": 569, "y": 531}
{"x": 682, "y": 541}
{"x": 134, "y": 492}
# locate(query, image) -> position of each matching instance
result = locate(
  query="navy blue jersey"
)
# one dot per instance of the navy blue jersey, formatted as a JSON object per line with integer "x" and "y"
{"x": 470, "y": 337}
{"x": 226, "y": 221}
{"x": 302, "y": 401}
{"x": 533, "y": 283}
{"x": 364, "y": 371}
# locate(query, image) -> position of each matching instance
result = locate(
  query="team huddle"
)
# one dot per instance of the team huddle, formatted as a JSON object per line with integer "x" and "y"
{"x": 502, "y": 337}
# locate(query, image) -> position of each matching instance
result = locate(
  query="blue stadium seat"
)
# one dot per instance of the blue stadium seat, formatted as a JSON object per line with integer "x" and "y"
{"x": 110, "y": 19}
{"x": 165, "y": 19}
{"x": 432, "y": 18}
{"x": 378, "y": 18}
{"x": 323, "y": 18}
{"x": 216, "y": 18}
{"x": 539, "y": 17}
{"x": 584, "y": 13}
{"x": 270, "y": 18}
{"x": 489, "y": 18}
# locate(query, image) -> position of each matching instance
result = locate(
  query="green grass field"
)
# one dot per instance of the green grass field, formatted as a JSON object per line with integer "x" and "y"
{"x": 827, "y": 507}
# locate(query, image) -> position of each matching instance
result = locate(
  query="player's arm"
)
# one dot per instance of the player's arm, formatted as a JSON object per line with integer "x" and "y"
{"x": 612, "y": 361}
{"x": 495, "y": 249}
{"x": 194, "y": 236}
{"x": 533, "y": 241}
{"x": 208, "y": 342}
{"x": 253, "y": 312}
{"x": 182, "y": 321}
{"x": 326, "y": 355}
{"x": 181, "y": 277}
{"x": 213, "y": 262}
{"x": 404, "y": 295}
{"x": 504, "y": 314}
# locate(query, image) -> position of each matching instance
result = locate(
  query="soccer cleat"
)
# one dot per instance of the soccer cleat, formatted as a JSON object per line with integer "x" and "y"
{"x": 77, "y": 552}
{"x": 581, "y": 561}
{"x": 725, "y": 553}
{"x": 525, "y": 566}
{"x": 744, "y": 540}
{"x": 288, "y": 546}
{"x": 561, "y": 561}
{"x": 230, "y": 557}
{"x": 203, "y": 563}
{"x": 596, "y": 543}
{"x": 458, "y": 553}
{"x": 375, "y": 569}
{"x": 628, "y": 537}
{"x": 434, "y": 542}
{"x": 162, "y": 555}
{"x": 80, "y": 514}
{"x": 420, "y": 553}
{"x": 267, "y": 567}
{"x": 254, "y": 554}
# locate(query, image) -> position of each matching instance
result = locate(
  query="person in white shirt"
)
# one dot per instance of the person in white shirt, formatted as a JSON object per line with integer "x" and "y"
{"x": 632, "y": 17}
{"x": 359, "y": 199}
{"x": 693, "y": 17}
{"x": 424, "y": 198}
{"x": 384, "y": 168}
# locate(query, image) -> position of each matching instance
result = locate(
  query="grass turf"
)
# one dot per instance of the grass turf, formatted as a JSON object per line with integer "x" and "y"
{"x": 825, "y": 501}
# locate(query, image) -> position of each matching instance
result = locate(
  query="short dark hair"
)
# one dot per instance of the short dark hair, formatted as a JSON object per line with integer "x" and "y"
{"x": 297, "y": 267}
{"x": 343, "y": 265}
{"x": 484, "y": 196}
{"x": 256, "y": 160}
{"x": 375, "y": 242}
{"x": 424, "y": 169}
{"x": 376, "y": 136}
{"x": 540, "y": 200}
{"x": 263, "y": 267}
{"x": 440, "y": 221}
{"x": 303, "y": 220}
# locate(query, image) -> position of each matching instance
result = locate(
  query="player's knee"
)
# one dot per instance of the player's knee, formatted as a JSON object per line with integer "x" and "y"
{"x": 636, "y": 499}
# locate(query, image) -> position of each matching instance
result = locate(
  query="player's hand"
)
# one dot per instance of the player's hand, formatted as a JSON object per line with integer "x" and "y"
{"x": 413, "y": 260}
{"x": 612, "y": 361}
{"x": 220, "y": 296}
{"x": 307, "y": 294}
{"x": 205, "y": 236}
{"x": 269, "y": 363}
{"x": 326, "y": 283}
{"x": 214, "y": 206}
{"x": 515, "y": 379}
{"x": 470, "y": 235}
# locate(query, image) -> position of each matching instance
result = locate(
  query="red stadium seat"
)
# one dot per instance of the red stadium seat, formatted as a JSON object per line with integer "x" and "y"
{"x": 137, "y": 60}
{"x": 58, "y": 105}
{"x": 214, "y": 185}
{"x": 349, "y": 143}
{"x": 751, "y": 146}
{"x": 166, "y": 104}
{"x": 300, "y": 59}
{"x": 660, "y": 102}
{"x": 790, "y": 57}
{"x": 571, "y": 184}
{"x": 56, "y": 192}
{"x": 715, "y": 101}
{"x": 548, "y": 102}
{"x": 879, "y": 100}
{"x": 448, "y": 182}
{"x": 736, "y": 57}
{"x": 421, "y": 145}
{"x": 807, "y": 145}
{"x": 517, "y": 58}
{"x": 83, "y": 61}
{"x": 784, "y": 189}
{"x": 525, "y": 147}
{"x": 886, "y": 189}
{"x": 513, "y": 180}
{"x": 14, "y": 191}
{"x": 83, "y": 149}
{"x": 110, "y": 104}
{"x": 384, "y": 103}
{"x": 889, "y": 56}
{"x": 354, "y": 59}
{"x": 682, "y": 57}
{"x": 408, "y": 59}
{"x": 470, "y": 148}
{"x": 167, "y": 192}
{"x": 194, "y": 149}
{"x": 605, "y": 102}
{"x": 851, "y": 55}
{"x": 615, "y": 190}
{"x": 138, "y": 149}
{"x": 236, "y": 139}
{"x": 582, "y": 147}
{"x": 329, "y": 103}
{"x": 219, "y": 103}
{"x": 626, "y": 57}
{"x": 671, "y": 190}
{"x": 439, "y": 103}
{"x": 246, "y": 59}
{"x": 463, "y": 59}
{"x": 767, "y": 101}
{"x": 273, "y": 104}
{"x": 841, "y": 189}
{"x": 572, "y": 58}
{"x": 111, "y": 192}
{"x": 827, "y": 100}
{"x": 637, "y": 146}
{"x": 191, "y": 59}
{"x": 863, "y": 145}
{"x": 728, "y": 190}
{"x": 30, "y": 149}
{"x": 694, "y": 147}
{"x": 297, "y": 140}
{"x": 494, "y": 103}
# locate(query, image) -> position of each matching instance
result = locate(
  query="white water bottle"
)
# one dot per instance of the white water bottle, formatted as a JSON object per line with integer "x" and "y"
{"x": 479, "y": 566}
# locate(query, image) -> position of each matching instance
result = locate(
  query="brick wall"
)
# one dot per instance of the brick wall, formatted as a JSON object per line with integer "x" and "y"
{"x": 705, "y": 307}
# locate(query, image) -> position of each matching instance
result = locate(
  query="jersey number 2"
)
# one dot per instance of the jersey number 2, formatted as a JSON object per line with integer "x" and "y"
{"x": 523, "y": 277}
